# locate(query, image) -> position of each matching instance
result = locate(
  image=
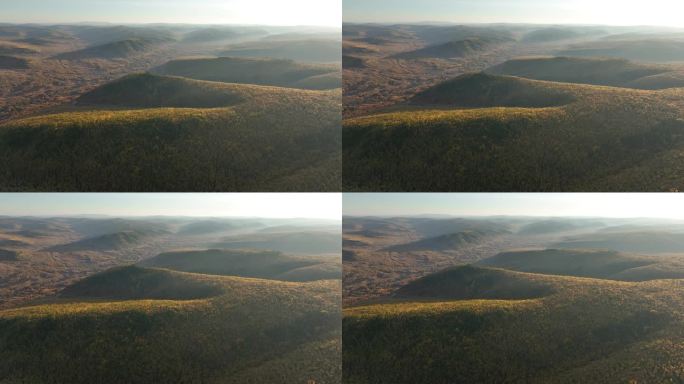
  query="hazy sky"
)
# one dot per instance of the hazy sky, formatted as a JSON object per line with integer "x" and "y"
{"x": 608, "y": 12}
{"x": 271, "y": 205}
{"x": 265, "y": 12}
{"x": 657, "y": 205}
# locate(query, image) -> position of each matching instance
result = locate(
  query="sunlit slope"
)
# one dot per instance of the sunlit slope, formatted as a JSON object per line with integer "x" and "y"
{"x": 581, "y": 331}
{"x": 461, "y": 140}
{"x": 139, "y": 325}
{"x": 179, "y": 135}
{"x": 263, "y": 71}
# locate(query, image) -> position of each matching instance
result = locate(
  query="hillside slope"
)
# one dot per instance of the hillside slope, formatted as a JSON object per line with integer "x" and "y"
{"x": 452, "y": 49}
{"x": 597, "y": 71}
{"x": 306, "y": 50}
{"x": 644, "y": 50}
{"x": 249, "y": 263}
{"x": 114, "y": 50}
{"x": 108, "y": 242}
{"x": 447, "y": 242}
{"x": 629, "y": 241}
{"x": 265, "y": 71}
{"x": 302, "y": 242}
{"x": 486, "y": 133}
{"x": 583, "y": 330}
{"x": 480, "y": 90}
{"x": 601, "y": 264}
{"x": 174, "y": 327}
{"x": 252, "y": 138}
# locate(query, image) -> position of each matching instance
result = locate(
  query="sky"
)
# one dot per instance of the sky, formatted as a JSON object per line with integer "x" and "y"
{"x": 263, "y": 12}
{"x": 627, "y": 205}
{"x": 606, "y": 12}
{"x": 266, "y": 205}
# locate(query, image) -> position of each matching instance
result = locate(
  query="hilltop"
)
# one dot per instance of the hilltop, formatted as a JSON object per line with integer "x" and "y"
{"x": 134, "y": 283}
{"x": 469, "y": 283}
{"x": 139, "y": 325}
{"x": 276, "y": 72}
{"x": 151, "y": 91}
{"x": 248, "y": 263}
{"x": 597, "y": 71}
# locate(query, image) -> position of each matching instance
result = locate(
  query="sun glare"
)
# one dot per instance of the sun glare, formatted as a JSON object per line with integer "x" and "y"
{"x": 629, "y": 12}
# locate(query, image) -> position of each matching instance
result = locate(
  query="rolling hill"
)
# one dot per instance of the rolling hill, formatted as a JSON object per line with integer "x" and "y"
{"x": 546, "y": 35}
{"x": 480, "y": 90}
{"x": 628, "y": 241}
{"x": 597, "y": 71}
{"x": 489, "y": 325}
{"x": 644, "y": 50}
{"x": 134, "y": 283}
{"x": 88, "y": 227}
{"x": 207, "y": 227}
{"x": 600, "y": 264}
{"x": 102, "y": 35}
{"x": 275, "y": 72}
{"x": 262, "y": 138}
{"x": 304, "y": 50}
{"x": 453, "y": 49}
{"x": 140, "y": 325}
{"x": 114, "y": 50}
{"x": 249, "y": 263}
{"x": 548, "y": 226}
{"x": 448, "y": 242}
{"x": 151, "y": 91}
{"x": 294, "y": 241}
{"x": 217, "y": 34}
{"x": 109, "y": 242}
{"x": 469, "y": 282}
{"x": 497, "y": 133}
